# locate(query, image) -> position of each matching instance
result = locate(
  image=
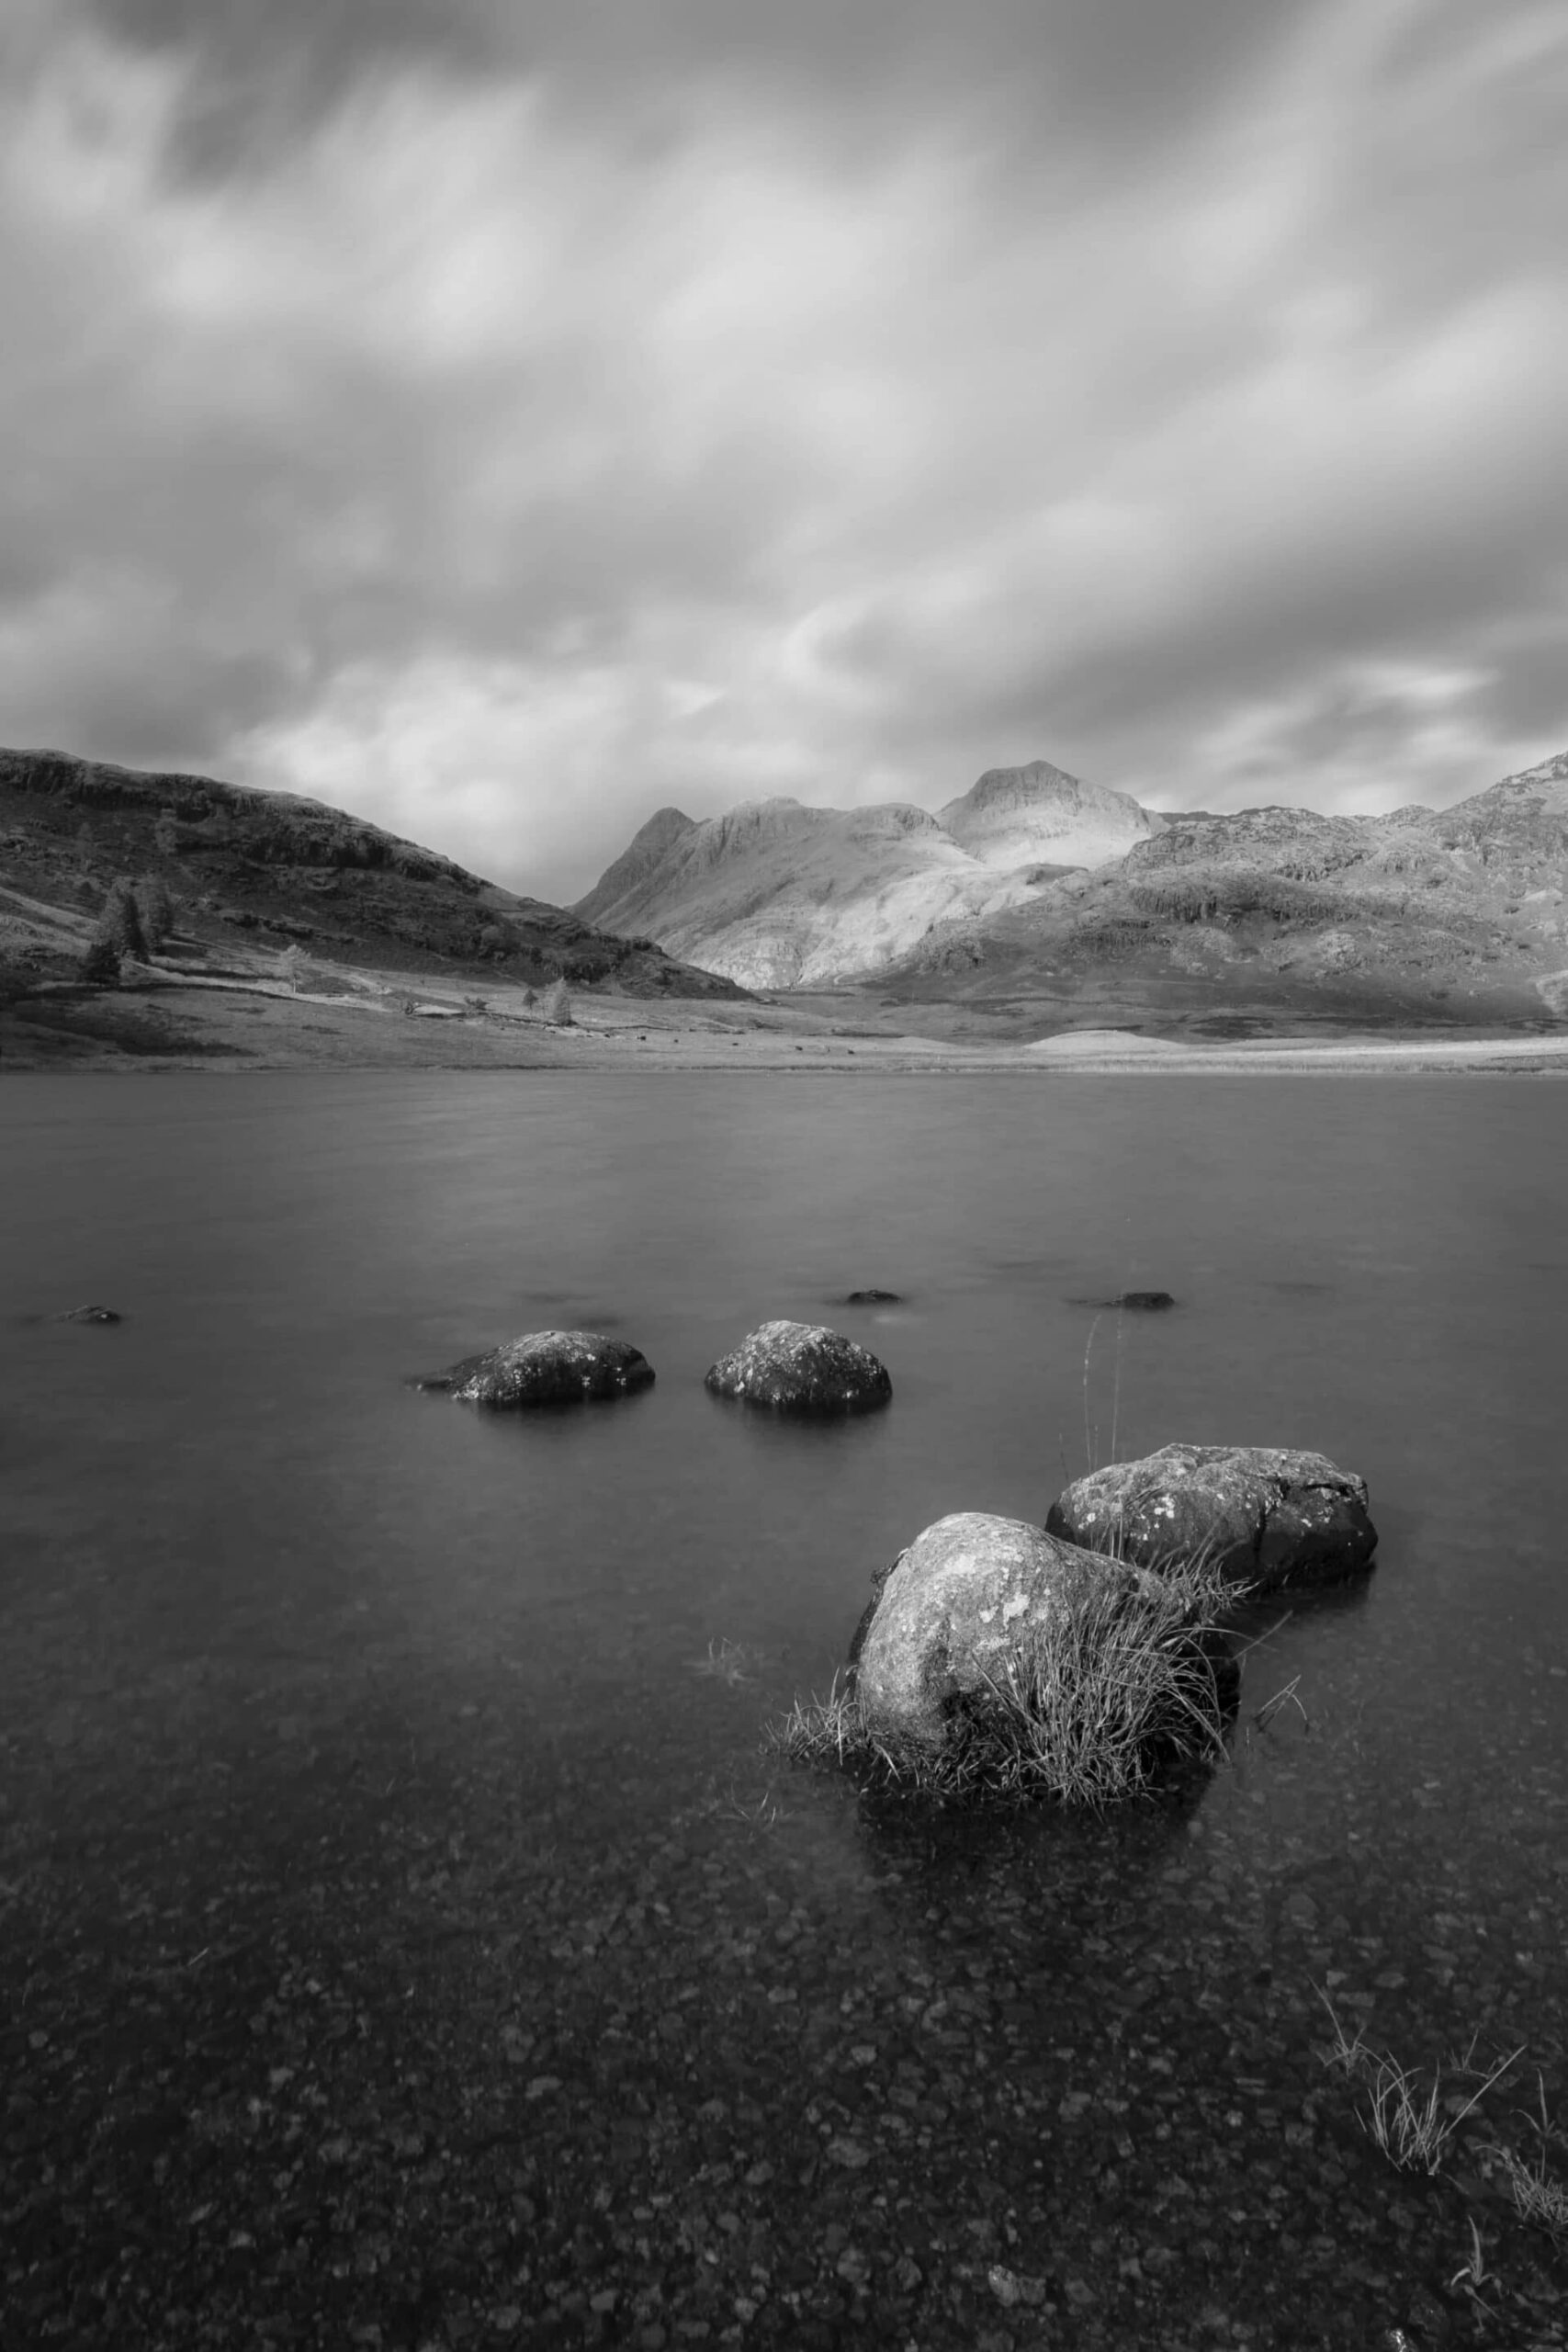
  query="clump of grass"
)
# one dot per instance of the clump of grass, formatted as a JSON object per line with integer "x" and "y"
{"x": 1410, "y": 2118}
{"x": 1097, "y": 1705}
{"x": 726, "y": 1661}
{"x": 1539, "y": 2194}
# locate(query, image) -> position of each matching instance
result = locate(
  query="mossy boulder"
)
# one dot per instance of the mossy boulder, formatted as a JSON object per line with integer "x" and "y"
{"x": 548, "y": 1368}
{"x": 1263, "y": 1515}
{"x": 802, "y": 1368}
{"x": 956, "y": 1611}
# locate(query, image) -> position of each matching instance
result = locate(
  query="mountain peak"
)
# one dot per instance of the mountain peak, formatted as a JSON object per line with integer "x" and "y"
{"x": 1038, "y": 812}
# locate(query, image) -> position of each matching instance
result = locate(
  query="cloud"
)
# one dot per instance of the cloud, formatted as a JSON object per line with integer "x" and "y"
{"x": 503, "y": 420}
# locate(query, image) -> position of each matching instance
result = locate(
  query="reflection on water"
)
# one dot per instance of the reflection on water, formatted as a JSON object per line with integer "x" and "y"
{"x": 309, "y": 1680}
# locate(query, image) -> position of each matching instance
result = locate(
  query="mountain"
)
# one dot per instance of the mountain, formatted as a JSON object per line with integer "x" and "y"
{"x": 274, "y": 866}
{"x": 779, "y": 895}
{"x": 1278, "y": 916}
{"x": 1034, "y": 900}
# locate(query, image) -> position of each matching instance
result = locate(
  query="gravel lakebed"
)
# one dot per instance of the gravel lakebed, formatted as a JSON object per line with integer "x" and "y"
{"x": 356, "y": 2017}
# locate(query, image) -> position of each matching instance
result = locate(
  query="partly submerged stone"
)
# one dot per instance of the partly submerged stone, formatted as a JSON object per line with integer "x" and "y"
{"x": 802, "y": 1368}
{"x": 90, "y": 1314}
{"x": 548, "y": 1368}
{"x": 1142, "y": 1302}
{"x": 874, "y": 1298}
{"x": 957, "y": 1610}
{"x": 1264, "y": 1515}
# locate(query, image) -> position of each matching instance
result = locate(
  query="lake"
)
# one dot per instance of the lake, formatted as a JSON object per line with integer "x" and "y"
{"x": 407, "y": 1939}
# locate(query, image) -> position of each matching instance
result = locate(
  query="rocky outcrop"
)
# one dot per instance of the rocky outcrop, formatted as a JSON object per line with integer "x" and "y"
{"x": 947, "y": 1618}
{"x": 1265, "y": 1516}
{"x": 548, "y": 1368}
{"x": 802, "y": 1368}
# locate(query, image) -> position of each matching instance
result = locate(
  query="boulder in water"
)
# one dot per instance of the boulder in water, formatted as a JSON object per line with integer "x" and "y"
{"x": 955, "y": 1612}
{"x": 90, "y": 1314}
{"x": 548, "y": 1368}
{"x": 874, "y": 1298}
{"x": 802, "y": 1368}
{"x": 1263, "y": 1515}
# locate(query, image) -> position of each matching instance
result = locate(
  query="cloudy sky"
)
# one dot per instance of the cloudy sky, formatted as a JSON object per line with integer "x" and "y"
{"x": 503, "y": 417}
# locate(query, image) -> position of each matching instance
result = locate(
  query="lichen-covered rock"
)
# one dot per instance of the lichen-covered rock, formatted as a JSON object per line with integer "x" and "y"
{"x": 802, "y": 1368}
{"x": 548, "y": 1368}
{"x": 946, "y": 1618}
{"x": 1265, "y": 1515}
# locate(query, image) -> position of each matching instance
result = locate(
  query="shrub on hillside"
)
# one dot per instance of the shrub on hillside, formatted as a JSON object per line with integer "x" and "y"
{"x": 101, "y": 960}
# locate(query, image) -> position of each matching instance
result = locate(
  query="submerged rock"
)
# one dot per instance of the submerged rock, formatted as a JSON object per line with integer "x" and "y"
{"x": 956, "y": 1609}
{"x": 1143, "y": 1302}
{"x": 90, "y": 1314}
{"x": 548, "y": 1368}
{"x": 874, "y": 1298}
{"x": 802, "y": 1368}
{"x": 1264, "y": 1515}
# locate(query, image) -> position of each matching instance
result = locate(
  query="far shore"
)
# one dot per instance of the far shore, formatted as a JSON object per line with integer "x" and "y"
{"x": 390, "y": 1021}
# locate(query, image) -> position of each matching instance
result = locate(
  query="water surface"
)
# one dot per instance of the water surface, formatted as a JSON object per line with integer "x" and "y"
{"x": 404, "y": 1930}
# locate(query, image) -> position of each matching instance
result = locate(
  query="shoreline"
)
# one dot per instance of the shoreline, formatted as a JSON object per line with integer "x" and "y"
{"x": 247, "y": 1017}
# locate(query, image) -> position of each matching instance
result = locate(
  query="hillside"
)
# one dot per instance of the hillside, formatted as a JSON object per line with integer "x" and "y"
{"x": 267, "y": 867}
{"x": 779, "y": 895}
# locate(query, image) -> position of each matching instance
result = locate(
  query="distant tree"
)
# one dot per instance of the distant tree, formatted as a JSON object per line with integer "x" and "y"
{"x": 166, "y": 833}
{"x": 558, "y": 1004}
{"x": 530, "y": 999}
{"x": 155, "y": 908}
{"x": 492, "y": 940}
{"x": 296, "y": 966}
{"x": 122, "y": 920}
{"x": 83, "y": 842}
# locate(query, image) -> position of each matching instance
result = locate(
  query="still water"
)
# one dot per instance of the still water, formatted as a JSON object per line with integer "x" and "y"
{"x": 403, "y": 1927}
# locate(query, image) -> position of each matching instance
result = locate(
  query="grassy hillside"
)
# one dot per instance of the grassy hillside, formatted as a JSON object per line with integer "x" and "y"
{"x": 267, "y": 867}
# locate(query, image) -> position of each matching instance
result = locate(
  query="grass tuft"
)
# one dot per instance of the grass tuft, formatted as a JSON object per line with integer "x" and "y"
{"x": 1411, "y": 2118}
{"x": 1098, "y": 1706}
{"x": 726, "y": 1661}
{"x": 1539, "y": 2194}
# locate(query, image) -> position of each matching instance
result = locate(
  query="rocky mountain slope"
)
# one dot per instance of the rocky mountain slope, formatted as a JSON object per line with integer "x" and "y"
{"x": 783, "y": 896}
{"x": 1268, "y": 917}
{"x": 1276, "y": 914}
{"x": 271, "y": 865}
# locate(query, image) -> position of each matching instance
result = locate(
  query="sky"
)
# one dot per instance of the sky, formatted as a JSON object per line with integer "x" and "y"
{"x": 503, "y": 418}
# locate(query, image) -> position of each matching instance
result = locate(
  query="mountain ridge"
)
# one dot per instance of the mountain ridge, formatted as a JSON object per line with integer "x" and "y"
{"x": 1034, "y": 885}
